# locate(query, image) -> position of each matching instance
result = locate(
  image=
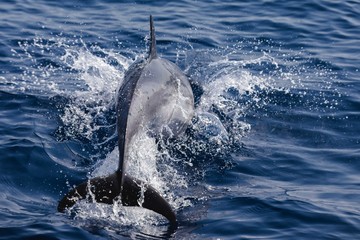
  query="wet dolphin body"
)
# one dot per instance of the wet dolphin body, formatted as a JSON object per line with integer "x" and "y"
{"x": 155, "y": 97}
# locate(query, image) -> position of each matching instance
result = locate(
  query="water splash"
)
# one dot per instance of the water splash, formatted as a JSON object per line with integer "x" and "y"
{"x": 149, "y": 161}
{"x": 101, "y": 80}
{"x": 231, "y": 89}
{"x": 86, "y": 74}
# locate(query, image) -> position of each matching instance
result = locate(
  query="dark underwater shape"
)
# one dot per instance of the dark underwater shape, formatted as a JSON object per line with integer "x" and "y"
{"x": 108, "y": 189}
{"x": 155, "y": 97}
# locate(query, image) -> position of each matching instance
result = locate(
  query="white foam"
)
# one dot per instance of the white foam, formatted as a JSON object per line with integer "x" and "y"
{"x": 100, "y": 81}
{"x": 232, "y": 74}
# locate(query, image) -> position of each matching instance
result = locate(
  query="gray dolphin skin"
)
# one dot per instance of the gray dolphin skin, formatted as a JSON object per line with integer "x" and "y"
{"x": 156, "y": 98}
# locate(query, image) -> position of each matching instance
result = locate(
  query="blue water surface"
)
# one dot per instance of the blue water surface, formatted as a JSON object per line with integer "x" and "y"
{"x": 274, "y": 150}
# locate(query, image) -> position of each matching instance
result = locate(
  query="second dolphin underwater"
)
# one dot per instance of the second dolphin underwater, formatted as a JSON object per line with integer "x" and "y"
{"x": 155, "y": 97}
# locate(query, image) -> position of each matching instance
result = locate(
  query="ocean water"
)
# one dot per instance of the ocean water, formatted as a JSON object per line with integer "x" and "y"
{"x": 274, "y": 149}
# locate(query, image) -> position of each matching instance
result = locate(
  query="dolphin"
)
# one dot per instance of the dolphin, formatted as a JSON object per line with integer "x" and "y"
{"x": 155, "y": 97}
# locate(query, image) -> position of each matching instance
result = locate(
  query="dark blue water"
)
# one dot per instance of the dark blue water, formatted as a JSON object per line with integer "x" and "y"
{"x": 274, "y": 152}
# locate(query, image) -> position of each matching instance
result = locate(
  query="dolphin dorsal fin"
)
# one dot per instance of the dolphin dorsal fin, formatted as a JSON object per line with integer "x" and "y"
{"x": 152, "y": 53}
